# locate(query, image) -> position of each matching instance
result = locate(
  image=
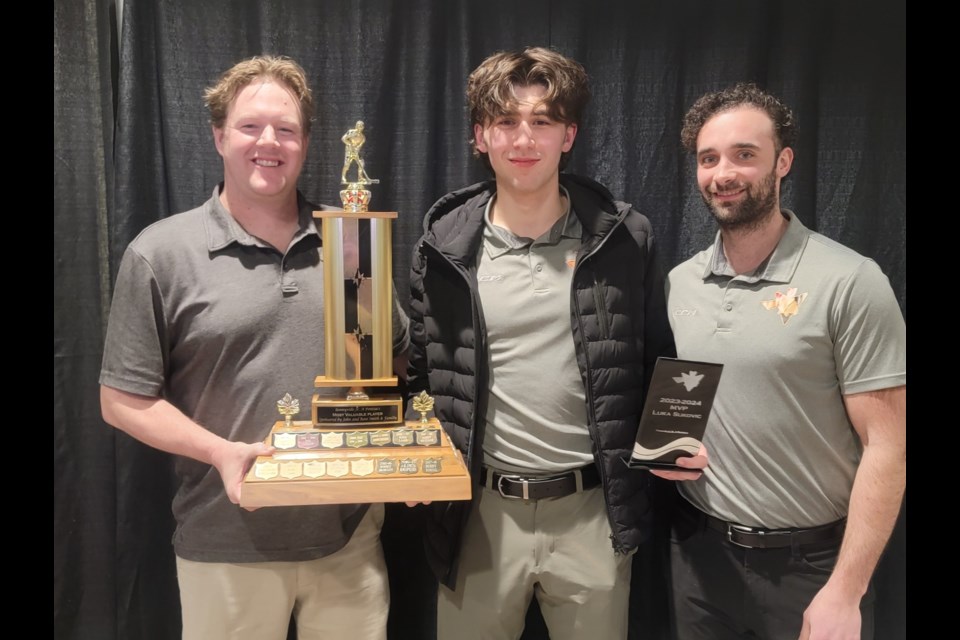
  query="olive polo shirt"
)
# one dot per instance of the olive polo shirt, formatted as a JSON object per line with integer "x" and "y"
{"x": 816, "y": 321}
{"x": 536, "y": 419}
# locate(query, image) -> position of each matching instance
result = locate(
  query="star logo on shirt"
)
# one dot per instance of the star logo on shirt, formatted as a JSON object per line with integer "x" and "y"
{"x": 787, "y": 304}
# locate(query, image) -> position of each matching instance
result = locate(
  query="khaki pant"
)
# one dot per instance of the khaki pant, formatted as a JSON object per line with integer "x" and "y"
{"x": 557, "y": 549}
{"x": 343, "y": 595}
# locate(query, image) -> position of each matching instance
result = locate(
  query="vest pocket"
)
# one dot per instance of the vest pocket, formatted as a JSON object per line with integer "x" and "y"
{"x": 599, "y": 299}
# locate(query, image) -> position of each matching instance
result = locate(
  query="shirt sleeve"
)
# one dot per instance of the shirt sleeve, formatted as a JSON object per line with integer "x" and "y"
{"x": 134, "y": 354}
{"x": 870, "y": 347}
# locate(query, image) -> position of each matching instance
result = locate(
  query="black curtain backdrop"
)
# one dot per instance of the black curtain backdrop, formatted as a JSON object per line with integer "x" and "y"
{"x": 132, "y": 144}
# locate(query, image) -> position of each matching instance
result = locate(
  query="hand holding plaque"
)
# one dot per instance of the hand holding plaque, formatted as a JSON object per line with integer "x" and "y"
{"x": 675, "y": 414}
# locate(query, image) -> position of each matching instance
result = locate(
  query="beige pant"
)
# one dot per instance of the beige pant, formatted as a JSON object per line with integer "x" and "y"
{"x": 343, "y": 595}
{"x": 557, "y": 549}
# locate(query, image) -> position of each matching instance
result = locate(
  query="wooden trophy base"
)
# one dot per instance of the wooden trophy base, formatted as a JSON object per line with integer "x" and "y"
{"x": 408, "y": 462}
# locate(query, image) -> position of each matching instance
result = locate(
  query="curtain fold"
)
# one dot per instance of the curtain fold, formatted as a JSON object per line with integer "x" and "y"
{"x": 132, "y": 144}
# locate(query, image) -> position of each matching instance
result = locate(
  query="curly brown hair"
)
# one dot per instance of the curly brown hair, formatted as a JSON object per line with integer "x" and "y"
{"x": 490, "y": 88}
{"x": 221, "y": 95}
{"x": 743, "y": 94}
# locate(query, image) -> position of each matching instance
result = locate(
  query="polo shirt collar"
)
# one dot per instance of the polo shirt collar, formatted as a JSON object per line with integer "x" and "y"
{"x": 781, "y": 264}
{"x": 224, "y": 230}
{"x": 498, "y": 241}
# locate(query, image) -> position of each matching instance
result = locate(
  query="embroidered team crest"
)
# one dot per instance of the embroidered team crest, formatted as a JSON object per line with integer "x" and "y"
{"x": 787, "y": 304}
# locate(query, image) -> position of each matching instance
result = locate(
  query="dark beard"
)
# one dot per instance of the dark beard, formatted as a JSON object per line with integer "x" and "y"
{"x": 749, "y": 214}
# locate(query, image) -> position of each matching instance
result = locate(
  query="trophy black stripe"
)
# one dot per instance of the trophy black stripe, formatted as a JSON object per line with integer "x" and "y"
{"x": 363, "y": 248}
{"x": 366, "y": 266}
{"x": 366, "y": 358}
{"x": 350, "y": 307}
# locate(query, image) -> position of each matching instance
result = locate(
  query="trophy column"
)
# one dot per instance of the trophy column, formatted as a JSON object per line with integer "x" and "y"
{"x": 358, "y": 299}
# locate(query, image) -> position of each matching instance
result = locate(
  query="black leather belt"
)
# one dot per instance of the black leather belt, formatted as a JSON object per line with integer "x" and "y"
{"x": 759, "y": 538}
{"x": 511, "y": 485}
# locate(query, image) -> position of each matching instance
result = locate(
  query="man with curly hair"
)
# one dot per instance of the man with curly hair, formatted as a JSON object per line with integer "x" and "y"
{"x": 781, "y": 535}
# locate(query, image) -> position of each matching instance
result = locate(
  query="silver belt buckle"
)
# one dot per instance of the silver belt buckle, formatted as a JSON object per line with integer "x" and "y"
{"x": 761, "y": 533}
{"x": 523, "y": 483}
{"x": 731, "y": 528}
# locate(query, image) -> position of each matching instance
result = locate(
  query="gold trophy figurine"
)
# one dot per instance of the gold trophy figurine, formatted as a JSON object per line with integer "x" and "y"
{"x": 354, "y": 140}
{"x": 355, "y": 198}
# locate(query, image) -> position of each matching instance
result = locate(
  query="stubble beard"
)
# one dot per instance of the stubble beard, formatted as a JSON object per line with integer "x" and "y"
{"x": 749, "y": 214}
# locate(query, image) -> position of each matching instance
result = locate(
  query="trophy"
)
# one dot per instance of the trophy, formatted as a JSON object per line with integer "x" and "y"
{"x": 358, "y": 293}
{"x": 356, "y": 447}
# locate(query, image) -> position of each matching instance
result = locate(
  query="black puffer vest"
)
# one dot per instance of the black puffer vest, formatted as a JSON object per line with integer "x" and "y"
{"x": 619, "y": 324}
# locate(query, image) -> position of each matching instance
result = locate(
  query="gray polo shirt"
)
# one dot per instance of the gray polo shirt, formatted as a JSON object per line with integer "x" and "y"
{"x": 536, "y": 420}
{"x": 222, "y": 325}
{"x": 814, "y": 322}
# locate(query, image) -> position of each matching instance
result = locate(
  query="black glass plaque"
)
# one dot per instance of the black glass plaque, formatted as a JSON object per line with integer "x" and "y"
{"x": 676, "y": 412}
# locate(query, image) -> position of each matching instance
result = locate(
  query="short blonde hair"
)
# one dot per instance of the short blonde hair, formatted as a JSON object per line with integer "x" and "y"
{"x": 220, "y": 96}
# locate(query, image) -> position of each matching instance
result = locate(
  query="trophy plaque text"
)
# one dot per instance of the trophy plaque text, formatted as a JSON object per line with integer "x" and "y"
{"x": 356, "y": 447}
{"x": 676, "y": 412}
